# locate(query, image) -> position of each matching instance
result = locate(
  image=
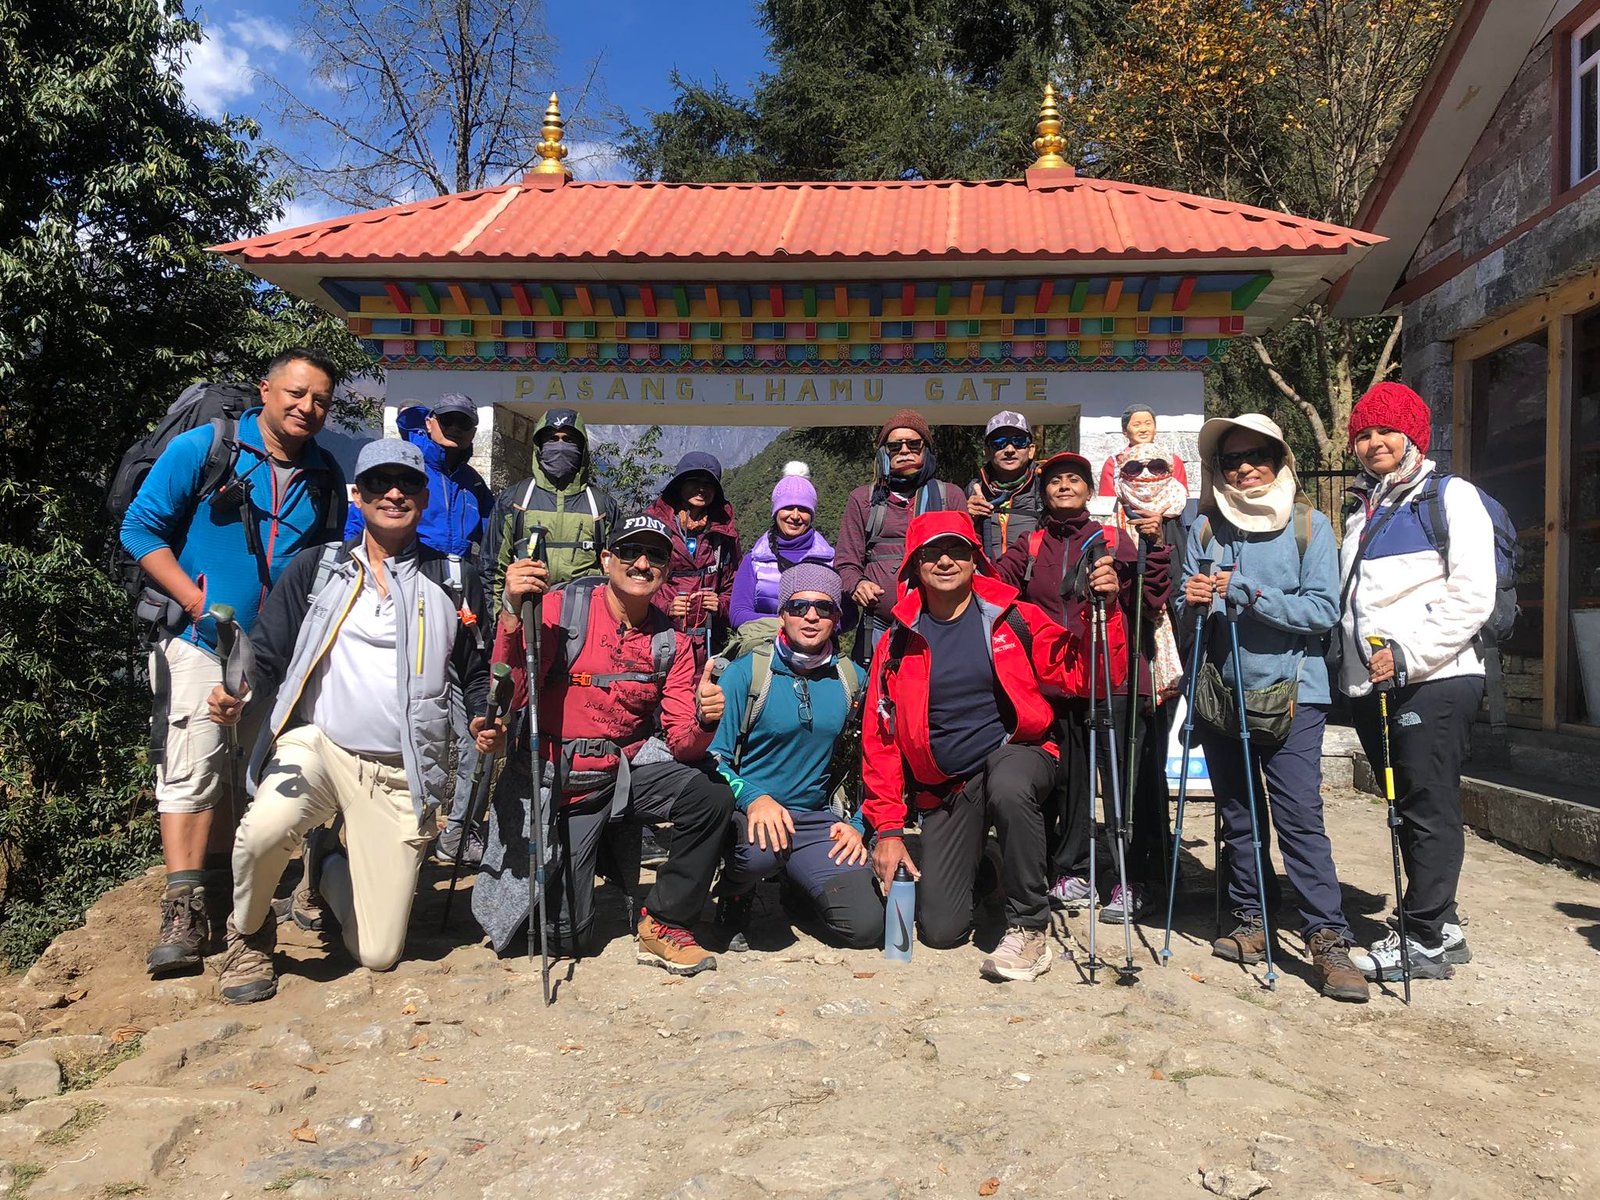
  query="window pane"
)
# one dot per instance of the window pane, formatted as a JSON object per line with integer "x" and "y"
{"x": 1508, "y": 453}
{"x": 1588, "y": 155}
{"x": 1583, "y": 514}
{"x": 1589, "y": 46}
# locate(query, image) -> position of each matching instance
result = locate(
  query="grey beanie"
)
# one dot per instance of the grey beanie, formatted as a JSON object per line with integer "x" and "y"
{"x": 810, "y": 577}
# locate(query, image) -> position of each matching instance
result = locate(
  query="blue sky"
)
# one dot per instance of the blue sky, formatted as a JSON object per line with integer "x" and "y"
{"x": 638, "y": 43}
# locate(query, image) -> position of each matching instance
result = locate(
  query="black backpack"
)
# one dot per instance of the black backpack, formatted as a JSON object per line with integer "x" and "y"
{"x": 219, "y": 405}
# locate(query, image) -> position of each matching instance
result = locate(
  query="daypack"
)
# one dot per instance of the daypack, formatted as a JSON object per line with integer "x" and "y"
{"x": 219, "y": 405}
{"x": 577, "y": 596}
{"x": 758, "y": 639}
{"x": 1302, "y": 527}
{"x": 1508, "y": 554}
{"x": 930, "y": 498}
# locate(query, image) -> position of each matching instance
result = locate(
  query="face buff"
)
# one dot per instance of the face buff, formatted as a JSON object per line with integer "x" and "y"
{"x": 560, "y": 459}
{"x": 1149, "y": 492}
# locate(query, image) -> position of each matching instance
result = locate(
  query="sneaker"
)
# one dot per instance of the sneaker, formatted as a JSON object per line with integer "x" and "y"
{"x": 247, "y": 971}
{"x": 1456, "y": 950}
{"x": 1021, "y": 954}
{"x": 1132, "y": 898}
{"x": 671, "y": 948}
{"x": 444, "y": 848}
{"x": 733, "y": 921}
{"x": 1245, "y": 943}
{"x": 1336, "y": 975}
{"x": 653, "y": 845}
{"x": 1069, "y": 891}
{"x": 1381, "y": 963}
{"x": 185, "y": 930}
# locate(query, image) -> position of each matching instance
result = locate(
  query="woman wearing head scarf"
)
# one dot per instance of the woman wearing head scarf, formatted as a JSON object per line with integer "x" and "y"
{"x": 1425, "y": 592}
{"x": 1139, "y": 427}
{"x": 1273, "y": 564}
{"x": 791, "y": 539}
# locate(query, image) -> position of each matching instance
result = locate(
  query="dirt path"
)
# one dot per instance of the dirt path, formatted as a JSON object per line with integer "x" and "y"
{"x": 801, "y": 1071}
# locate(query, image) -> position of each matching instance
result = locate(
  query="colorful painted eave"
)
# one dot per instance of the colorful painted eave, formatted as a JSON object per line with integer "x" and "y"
{"x": 1052, "y": 215}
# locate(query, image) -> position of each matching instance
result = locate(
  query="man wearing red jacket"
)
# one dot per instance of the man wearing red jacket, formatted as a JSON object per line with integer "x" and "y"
{"x": 957, "y": 719}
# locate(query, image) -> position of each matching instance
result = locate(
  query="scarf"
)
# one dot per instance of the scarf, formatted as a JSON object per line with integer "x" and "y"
{"x": 1002, "y": 494}
{"x": 788, "y": 551}
{"x": 800, "y": 660}
{"x": 1149, "y": 495}
{"x": 1375, "y": 489}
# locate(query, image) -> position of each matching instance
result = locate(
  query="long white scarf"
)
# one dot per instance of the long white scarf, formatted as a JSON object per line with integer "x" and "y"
{"x": 1258, "y": 510}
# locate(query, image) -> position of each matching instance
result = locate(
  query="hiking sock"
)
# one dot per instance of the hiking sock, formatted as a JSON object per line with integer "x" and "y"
{"x": 184, "y": 881}
{"x": 216, "y": 874}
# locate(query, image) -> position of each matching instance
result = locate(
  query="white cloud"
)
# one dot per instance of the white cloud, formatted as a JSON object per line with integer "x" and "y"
{"x": 598, "y": 160}
{"x": 304, "y": 211}
{"x": 217, "y": 74}
{"x": 262, "y": 33}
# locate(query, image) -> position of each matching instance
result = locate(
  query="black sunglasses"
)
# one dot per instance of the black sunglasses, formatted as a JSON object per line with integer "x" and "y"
{"x": 957, "y": 552}
{"x": 912, "y": 444}
{"x": 380, "y": 483}
{"x": 1020, "y": 441}
{"x": 826, "y": 609}
{"x": 1156, "y": 466}
{"x": 802, "y": 695}
{"x": 630, "y": 553}
{"x": 1256, "y": 456}
{"x": 456, "y": 421}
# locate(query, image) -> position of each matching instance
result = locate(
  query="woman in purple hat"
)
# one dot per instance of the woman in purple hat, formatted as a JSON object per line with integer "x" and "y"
{"x": 792, "y": 539}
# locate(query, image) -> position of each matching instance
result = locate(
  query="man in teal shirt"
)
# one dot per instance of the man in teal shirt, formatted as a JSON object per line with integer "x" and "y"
{"x": 778, "y": 769}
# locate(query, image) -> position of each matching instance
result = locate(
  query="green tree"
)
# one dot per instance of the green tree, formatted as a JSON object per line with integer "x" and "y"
{"x": 109, "y": 306}
{"x": 632, "y": 473}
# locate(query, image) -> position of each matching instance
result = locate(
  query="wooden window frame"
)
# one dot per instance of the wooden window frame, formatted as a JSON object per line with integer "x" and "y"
{"x": 1553, "y": 314}
{"x": 1564, "y": 140}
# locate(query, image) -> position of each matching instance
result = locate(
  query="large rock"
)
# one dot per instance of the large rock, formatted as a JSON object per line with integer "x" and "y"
{"x": 30, "y": 1078}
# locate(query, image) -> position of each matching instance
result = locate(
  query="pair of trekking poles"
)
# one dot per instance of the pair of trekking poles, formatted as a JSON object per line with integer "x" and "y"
{"x": 1230, "y": 612}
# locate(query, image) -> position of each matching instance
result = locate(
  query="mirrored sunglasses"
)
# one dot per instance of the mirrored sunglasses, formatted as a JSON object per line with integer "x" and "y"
{"x": 1020, "y": 441}
{"x": 956, "y": 551}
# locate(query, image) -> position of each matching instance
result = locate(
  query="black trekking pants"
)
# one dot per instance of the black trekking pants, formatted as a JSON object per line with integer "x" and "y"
{"x": 1430, "y": 727}
{"x": 1008, "y": 793}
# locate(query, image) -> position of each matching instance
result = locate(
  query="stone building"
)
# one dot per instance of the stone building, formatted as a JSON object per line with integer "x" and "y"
{"x": 1489, "y": 203}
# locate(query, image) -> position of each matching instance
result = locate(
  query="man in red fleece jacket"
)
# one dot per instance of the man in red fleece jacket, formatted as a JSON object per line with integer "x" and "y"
{"x": 957, "y": 722}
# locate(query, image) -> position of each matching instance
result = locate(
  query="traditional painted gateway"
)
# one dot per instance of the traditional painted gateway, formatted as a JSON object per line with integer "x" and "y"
{"x": 809, "y": 303}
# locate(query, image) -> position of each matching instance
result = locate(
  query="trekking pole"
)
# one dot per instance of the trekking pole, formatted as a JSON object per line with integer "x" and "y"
{"x": 1128, "y": 972}
{"x": 499, "y": 701}
{"x": 227, "y": 641}
{"x": 1383, "y": 690}
{"x": 1232, "y": 610}
{"x": 531, "y": 627}
{"x": 1094, "y": 784}
{"x": 1130, "y": 759}
{"x": 1192, "y": 685}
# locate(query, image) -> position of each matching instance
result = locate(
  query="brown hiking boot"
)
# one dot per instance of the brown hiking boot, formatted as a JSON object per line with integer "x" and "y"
{"x": 247, "y": 971}
{"x": 185, "y": 929}
{"x": 1246, "y": 943}
{"x": 1023, "y": 954}
{"x": 1336, "y": 974}
{"x": 671, "y": 949}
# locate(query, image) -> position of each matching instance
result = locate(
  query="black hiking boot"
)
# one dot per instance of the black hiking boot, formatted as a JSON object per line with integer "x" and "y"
{"x": 733, "y": 921}
{"x": 185, "y": 930}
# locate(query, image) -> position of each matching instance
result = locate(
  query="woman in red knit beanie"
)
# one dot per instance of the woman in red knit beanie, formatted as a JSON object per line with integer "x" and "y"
{"x": 1426, "y": 608}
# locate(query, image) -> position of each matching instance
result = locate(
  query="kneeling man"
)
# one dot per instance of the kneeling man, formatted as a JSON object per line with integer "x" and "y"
{"x": 357, "y": 650}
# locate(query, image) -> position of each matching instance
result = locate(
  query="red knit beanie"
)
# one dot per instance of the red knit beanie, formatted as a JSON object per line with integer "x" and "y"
{"x": 907, "y": 418}
{"x": 1392, "y": 406}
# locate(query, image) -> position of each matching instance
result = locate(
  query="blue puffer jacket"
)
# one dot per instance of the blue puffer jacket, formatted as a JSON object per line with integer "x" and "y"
{"x": 458, "y": 501}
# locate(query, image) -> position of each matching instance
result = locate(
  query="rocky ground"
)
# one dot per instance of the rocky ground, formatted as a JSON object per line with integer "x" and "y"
{"x": 802, "y": 1071}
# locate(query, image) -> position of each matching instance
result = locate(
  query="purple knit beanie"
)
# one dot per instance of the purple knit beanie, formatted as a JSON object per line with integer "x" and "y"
{"x": 810, "y": 577}
{"x": 794, "y": 491}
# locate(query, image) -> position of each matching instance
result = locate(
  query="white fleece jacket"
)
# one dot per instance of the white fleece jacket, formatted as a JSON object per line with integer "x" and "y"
{"x": 1406, "y": 592}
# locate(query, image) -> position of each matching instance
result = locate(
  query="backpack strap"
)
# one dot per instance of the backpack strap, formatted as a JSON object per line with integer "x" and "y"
{"x": 1302, "y": 527}
{"x": 1019, "y": 626}
{"x": 327, "y": 559}
{"x": 930, "y": 498}
{"x": 455, "y": 583}
{"x": 755, "y": 701}
{"x": 880, "y": 513}
{"x": 220, "y": 455}
{"x": 1035, "y": 540}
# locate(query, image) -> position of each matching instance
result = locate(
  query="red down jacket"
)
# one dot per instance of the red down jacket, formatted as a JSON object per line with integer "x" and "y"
{"x": 896, "y": 743}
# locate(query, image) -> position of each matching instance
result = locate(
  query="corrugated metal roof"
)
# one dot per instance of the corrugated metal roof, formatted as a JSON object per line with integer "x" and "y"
{"x": 1052, "y": 214}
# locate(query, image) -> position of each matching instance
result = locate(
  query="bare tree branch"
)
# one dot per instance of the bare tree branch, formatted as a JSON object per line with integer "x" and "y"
{"x": 1385, "y": 363}
{"x": 1319, "y": 430}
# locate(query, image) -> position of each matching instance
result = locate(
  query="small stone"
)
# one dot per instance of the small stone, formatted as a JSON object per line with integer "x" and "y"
{"x": 13, "y": 1028}
{"x": 373, "y": 1037}
{"x": 1234, "y": 1183}
{"x": 360, "y": 1124}
{"x": 827, "y": 958}
{"x": 854, "y": 1007}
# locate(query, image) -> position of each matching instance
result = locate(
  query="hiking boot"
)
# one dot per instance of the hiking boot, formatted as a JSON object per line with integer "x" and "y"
{"x": 305, "y": 905}
{"x": 1069, "y": 891}
{"x": 733, "y": 921}
{"x": 671, "y": 948}
{"x": 1246, "y": 943}
{"x": 1381, "y": 963}
{"x": 185, "y": 930}
{"x": 1021, "y": 954}
{"x": 1131, "y": 897}
{"x": 653, "y": 846}
{"x": 1456, "y": 950}
{"x": 247, "y": 971}
{"x": 444, "y": 848}
{"x": 1336, "y": 975}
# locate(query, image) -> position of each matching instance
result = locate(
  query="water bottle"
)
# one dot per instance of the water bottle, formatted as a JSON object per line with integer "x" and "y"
{"x": 899, "y": 916}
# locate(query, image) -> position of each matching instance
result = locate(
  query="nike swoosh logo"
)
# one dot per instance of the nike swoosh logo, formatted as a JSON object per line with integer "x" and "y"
{"x": 903, "y": 941}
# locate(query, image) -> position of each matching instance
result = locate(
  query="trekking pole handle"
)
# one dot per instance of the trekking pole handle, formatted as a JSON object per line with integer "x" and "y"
{"x": 500, "y": 690}
{"x": 1378, "y": 643}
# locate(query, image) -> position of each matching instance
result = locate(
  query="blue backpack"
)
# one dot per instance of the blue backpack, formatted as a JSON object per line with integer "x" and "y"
{"x": 1429, "y": 503}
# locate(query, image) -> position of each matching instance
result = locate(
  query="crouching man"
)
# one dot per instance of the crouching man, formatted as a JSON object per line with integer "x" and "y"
{"x": 357, "y": 650}
{"x": 774, "y": 746}
{"x": 613, "y": 675}
{"x": 957, "y": 719}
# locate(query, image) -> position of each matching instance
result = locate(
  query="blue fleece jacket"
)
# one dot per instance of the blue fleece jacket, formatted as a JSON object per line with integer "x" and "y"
{"x": 1286, "y": 606}
{"x": 783, "y": 758}
{"x": 458, "y": 501}
{"x": 210, "y": 545}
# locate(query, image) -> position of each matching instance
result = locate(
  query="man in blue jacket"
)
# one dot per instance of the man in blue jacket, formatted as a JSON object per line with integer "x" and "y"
{"x": 284, "y": 494}
{"x": 776, "y": 761}
{"x": 459, "y": 502}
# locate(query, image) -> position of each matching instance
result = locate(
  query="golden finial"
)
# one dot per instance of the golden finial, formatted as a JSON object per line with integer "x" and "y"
{"x": 551, "y": 151}
{"x": 1049, "y": 144}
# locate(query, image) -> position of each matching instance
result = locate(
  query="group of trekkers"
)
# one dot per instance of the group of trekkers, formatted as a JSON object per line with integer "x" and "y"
{"x": 1008, "y": 649}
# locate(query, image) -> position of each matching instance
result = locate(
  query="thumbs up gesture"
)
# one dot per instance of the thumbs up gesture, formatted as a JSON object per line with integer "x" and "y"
{"x": 708, "y": 698}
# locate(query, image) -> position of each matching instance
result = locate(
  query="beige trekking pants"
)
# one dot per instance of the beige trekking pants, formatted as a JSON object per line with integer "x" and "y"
{"x": 305, "y": 783}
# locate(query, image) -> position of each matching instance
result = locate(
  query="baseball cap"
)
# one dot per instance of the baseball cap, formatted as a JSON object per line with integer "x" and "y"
{"x": 1066, "y": 460}
{"x": 639, "y": 526}
{"x": 1006, "y": 420}
{"x": 455, "y": 402}
{"x": 390, "y": 452}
